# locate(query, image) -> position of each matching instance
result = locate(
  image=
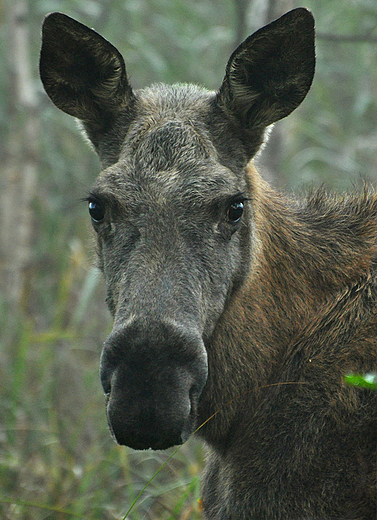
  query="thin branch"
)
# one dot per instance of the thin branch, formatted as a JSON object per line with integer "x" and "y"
{"x": 344, "y": 38}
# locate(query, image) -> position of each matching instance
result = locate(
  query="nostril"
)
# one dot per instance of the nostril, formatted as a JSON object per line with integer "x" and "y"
{"x": 105, "y": 375}
{"x": 106, "y": 387}
{"x": 106, "y": 382}
{"x": 108, "y": 367}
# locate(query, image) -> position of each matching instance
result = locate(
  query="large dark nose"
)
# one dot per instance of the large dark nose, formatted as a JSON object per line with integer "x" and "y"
{"x": 153, "y": 373}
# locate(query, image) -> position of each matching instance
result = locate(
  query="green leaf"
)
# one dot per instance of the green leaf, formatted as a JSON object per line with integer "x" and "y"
{"x": 362, "y": 381}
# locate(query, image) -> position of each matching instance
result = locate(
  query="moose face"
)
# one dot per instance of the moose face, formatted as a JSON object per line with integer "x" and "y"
{"x": 172, "y": 226}
{"x": 173, "y": 207}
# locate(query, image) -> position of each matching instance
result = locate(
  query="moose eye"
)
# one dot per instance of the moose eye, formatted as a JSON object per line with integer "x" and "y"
{"x": 96, "y": 211}
{"x": 235, "y": 212}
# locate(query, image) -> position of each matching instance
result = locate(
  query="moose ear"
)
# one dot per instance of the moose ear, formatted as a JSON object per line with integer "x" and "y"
{"x": 82, "y": 73}
{"x": 270, "y": 73}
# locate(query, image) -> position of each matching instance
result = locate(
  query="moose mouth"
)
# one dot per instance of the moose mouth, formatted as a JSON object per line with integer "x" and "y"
{"x": 156, "y": 427}
{"x": 152, "y": 387}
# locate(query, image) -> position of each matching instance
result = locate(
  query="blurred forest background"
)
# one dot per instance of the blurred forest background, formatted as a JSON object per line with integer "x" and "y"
{"x": 57, "y": 459}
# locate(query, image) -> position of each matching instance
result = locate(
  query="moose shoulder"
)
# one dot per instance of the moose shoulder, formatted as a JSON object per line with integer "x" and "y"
{"x": 228, "y": 298}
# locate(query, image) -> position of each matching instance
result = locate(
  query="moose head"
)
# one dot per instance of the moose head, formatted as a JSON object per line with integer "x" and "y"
{"x": 173, "y": 207}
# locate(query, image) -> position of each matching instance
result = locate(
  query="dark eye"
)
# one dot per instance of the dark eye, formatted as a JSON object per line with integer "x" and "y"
{"x": 235, "y": 212}
{"x": 96, "y": 211}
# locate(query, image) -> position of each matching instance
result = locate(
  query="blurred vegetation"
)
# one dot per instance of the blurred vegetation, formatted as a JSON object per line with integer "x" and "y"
{"x": 56, "y": 454}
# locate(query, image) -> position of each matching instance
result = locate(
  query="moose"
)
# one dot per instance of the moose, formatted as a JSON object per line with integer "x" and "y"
{"x": 237, "y": 310}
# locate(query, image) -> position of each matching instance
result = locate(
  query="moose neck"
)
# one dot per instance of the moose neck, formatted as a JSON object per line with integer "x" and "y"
{"x": 297, "y": 271}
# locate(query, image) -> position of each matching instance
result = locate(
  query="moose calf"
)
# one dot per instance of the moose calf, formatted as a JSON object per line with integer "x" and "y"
{"x": 228, "y": 297}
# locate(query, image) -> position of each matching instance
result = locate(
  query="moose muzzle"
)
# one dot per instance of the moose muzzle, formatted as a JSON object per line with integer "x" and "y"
{"x": 153, "y": 372}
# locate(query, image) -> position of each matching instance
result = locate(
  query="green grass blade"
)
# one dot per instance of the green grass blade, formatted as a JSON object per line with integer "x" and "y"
{"x": 149, "y": 481}
{"x": 22, "y": 503}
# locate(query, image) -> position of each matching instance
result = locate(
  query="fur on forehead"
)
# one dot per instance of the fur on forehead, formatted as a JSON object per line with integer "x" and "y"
{"x": 169, "y": 146}
{"x": 181, "y": 101}
{"x": 196, "y": 183}
{"x": 170, "y": 130}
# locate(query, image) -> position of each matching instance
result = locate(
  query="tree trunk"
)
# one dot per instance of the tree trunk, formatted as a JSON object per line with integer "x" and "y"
{"x": 21, "y": 162}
